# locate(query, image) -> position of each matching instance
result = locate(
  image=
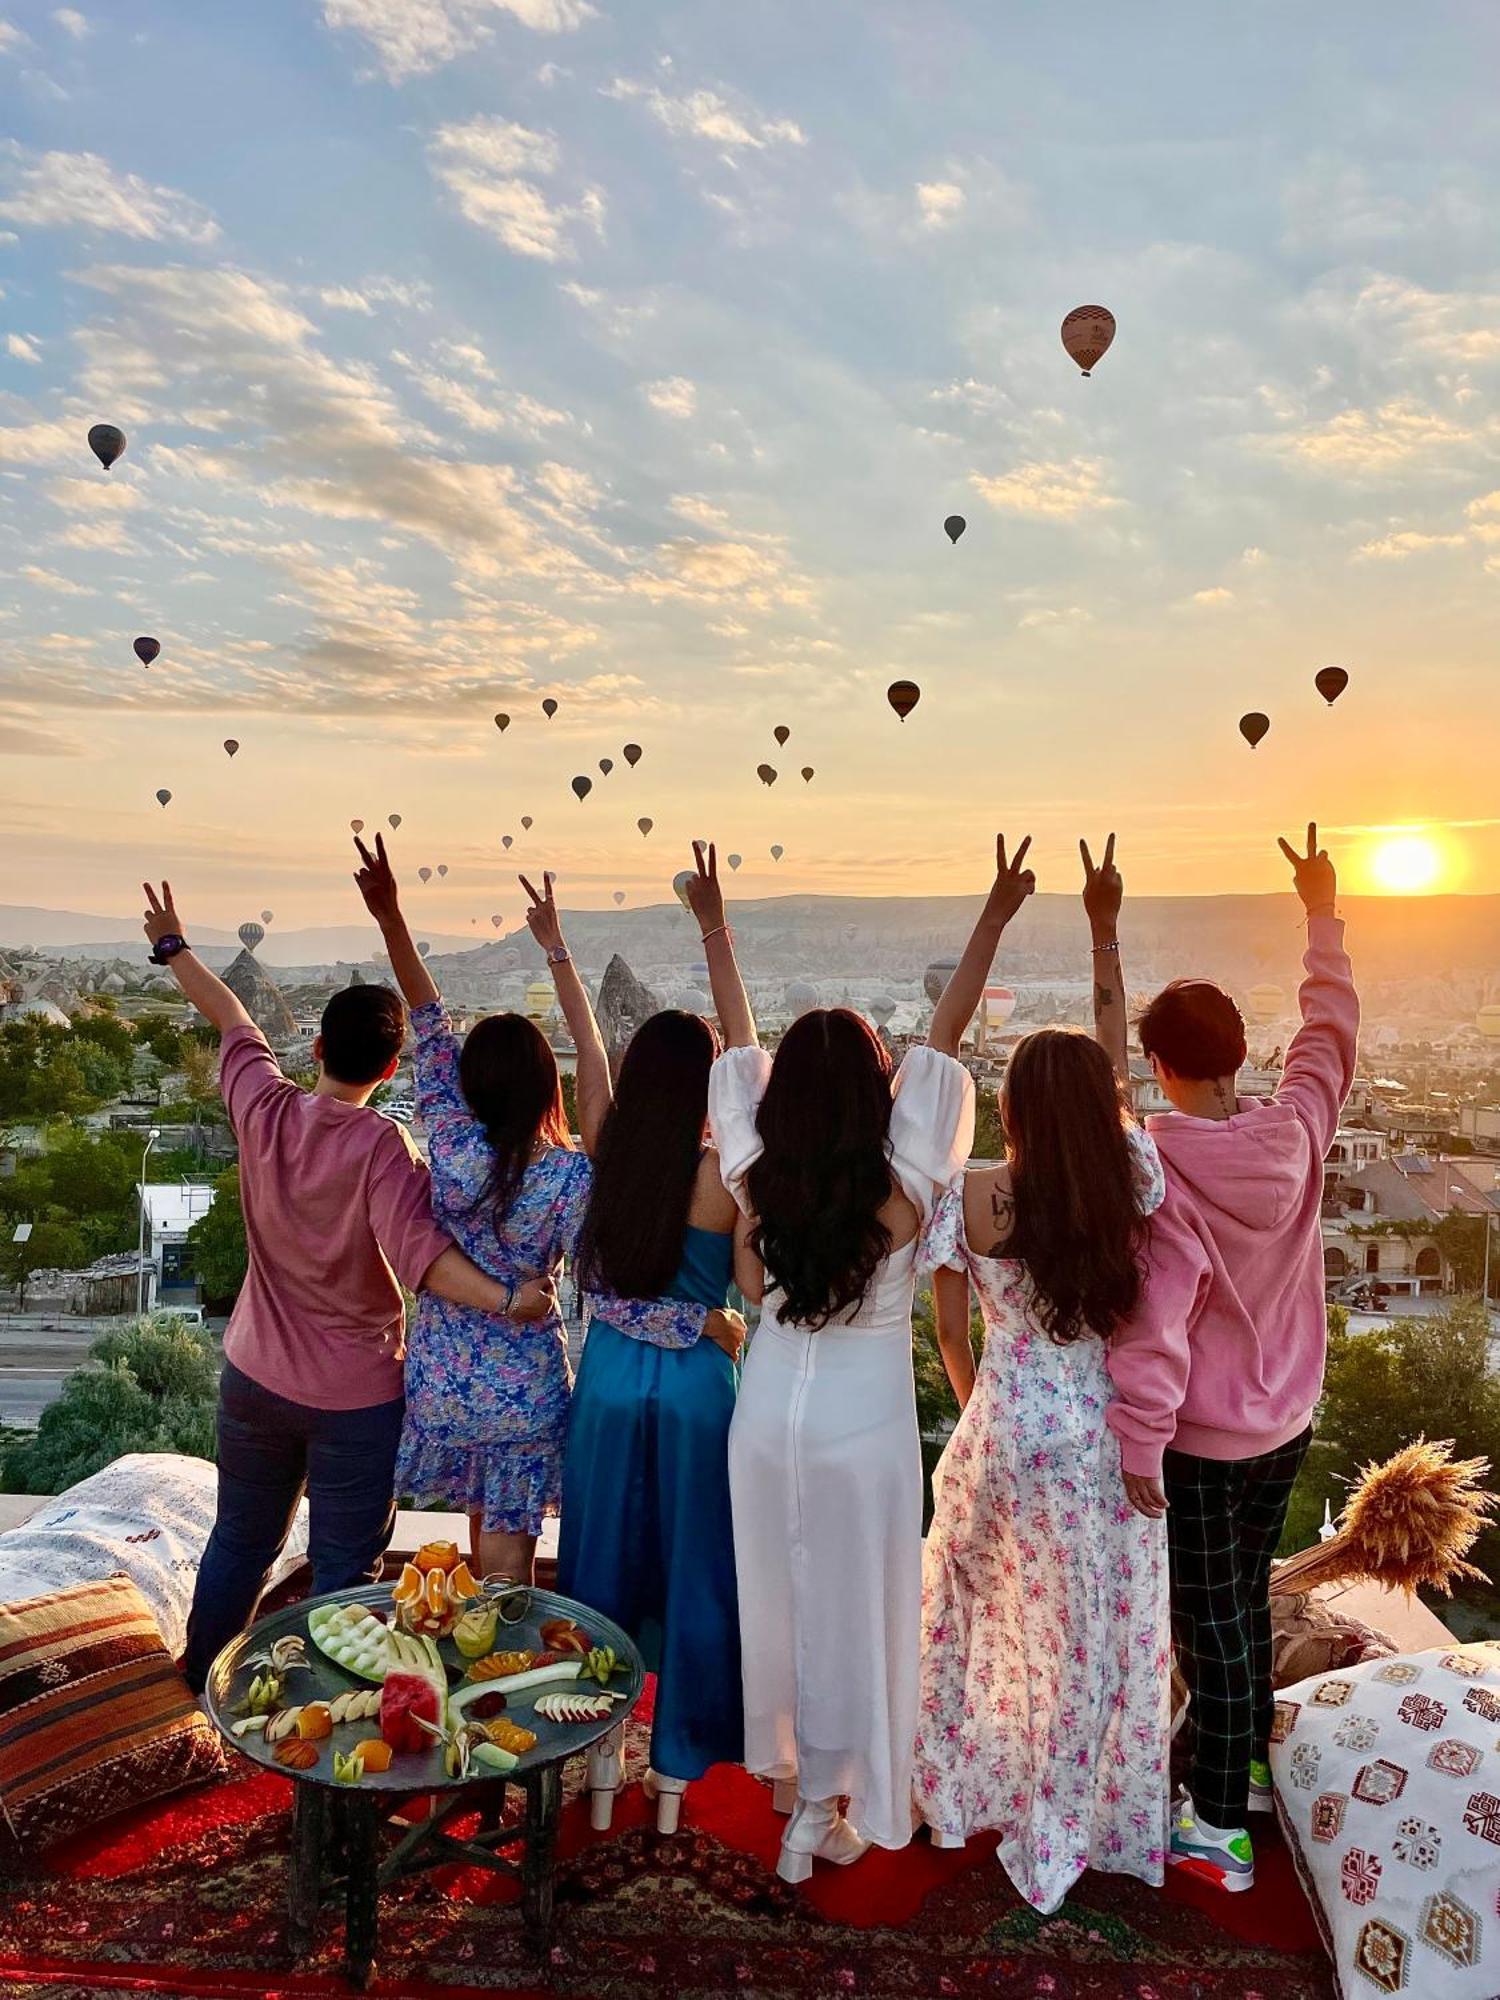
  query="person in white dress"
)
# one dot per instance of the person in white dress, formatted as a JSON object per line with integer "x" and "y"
{"x": 836, "y": 1167}
{"x": 1046, "y": 1645}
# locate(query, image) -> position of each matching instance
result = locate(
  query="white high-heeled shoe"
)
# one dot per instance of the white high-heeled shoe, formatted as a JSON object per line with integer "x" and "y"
{"x": 606, "y": 1773}
{"x": 940, "y": 1839}
{"x": 668, "y": 1794}
{"x": 783, "y": 1796}
{"x": 818, "y": 1831}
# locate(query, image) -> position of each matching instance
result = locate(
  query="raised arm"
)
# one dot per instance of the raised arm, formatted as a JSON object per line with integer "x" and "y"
{"x": 377, "y": 884}
{"x": 1103, "y": 893}
{"x": 594, "y": 1091}
{"x": 205, "y": 989}
{"x": 731, "y": 1001}
{"x": 1319, "y": 1067}
{"x": 1014, "y": 882}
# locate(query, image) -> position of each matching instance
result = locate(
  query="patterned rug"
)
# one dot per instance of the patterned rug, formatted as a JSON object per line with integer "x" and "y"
{"x": 187, "y": 1899}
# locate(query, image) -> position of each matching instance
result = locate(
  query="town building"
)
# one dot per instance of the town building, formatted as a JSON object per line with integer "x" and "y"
{"x": 170, "y": 1210}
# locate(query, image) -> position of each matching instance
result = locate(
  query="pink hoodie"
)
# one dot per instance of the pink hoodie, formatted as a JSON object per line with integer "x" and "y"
{"x": 1237, "y": 1332}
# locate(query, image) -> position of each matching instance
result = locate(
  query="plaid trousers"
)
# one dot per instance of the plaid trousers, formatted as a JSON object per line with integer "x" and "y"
{"x": 1224, "y": 1519}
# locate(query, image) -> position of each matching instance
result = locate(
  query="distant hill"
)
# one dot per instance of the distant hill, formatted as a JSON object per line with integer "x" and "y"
{"x": 72, "y": 934}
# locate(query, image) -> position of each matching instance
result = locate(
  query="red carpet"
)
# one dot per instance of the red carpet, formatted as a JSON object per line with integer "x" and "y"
{"x": 187, "y": 1900}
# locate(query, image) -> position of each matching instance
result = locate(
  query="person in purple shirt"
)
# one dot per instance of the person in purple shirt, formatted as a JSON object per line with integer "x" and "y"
{"x": 338, "y": 1217}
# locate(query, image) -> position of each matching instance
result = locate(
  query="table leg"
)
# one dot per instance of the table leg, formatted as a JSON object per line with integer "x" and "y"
{"x": 361, "y": 1889}
{"x": 305, "y": 1872}
{"x": 538, "y": 1861}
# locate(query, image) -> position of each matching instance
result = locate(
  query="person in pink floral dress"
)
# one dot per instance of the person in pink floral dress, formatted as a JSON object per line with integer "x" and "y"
{"x": 1044, "y": 1695}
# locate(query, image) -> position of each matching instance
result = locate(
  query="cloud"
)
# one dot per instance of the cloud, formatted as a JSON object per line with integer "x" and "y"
{"x": 10, "y": 37}
{"x": 364, "y": 298}
{"x": 412, "y": 37}
{"x": 83, "y": 191}
{"x": 20, "y": 739}
{"x": 1408, "y": 542}
{"x": 59, "y": 586}
{"x": 1051, "y": 489}
{"x": 1059, "y": 619}
{"x": 1367, "y": 444}
{"x": 939, "y": 203}
{"x": 704, "y": 114}
{"x": 72, "y": 22}
{"x": 1214, "y": 598}
{"x": 752, "y": 574}
{"x": 22, "y": 347}
{"x": 673, "y": 396}
{"x": 701, "y": 512}
{"x": 483, "y": 408}
{"x": 484, "y": 164}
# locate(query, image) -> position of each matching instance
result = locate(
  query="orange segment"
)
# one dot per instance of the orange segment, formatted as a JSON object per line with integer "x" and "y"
{"x": 408, "y": 1585}
{"x": 437, "y": 1555}
{"x": 376, "y": 1754}
{"x": 436, "y": 1593}
{"x": 461, "y": 1584}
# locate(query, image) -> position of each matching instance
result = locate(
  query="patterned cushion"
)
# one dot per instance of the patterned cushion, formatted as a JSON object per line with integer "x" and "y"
{"x": 1388, "y": 1786}
{"x": 94, "y": 1716}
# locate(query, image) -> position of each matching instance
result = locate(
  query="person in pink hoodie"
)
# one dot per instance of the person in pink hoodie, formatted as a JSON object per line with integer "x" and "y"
{"x": 1236, "y": 1261}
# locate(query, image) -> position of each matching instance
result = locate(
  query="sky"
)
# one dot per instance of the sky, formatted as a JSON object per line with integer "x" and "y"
{"x": 473, "y": 352}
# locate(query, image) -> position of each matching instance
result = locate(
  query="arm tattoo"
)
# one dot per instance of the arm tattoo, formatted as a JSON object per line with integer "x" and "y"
{"x": 1102, "y": 998}
{"x": 1003, "y": 1214}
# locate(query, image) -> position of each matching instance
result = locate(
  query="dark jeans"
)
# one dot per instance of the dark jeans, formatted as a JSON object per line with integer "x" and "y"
{"x": 1224, "y": 1519}
{"x": 269, "y": 1450}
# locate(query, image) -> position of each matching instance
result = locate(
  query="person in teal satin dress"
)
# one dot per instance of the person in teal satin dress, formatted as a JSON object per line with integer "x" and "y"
{"x": 646, "y": 1535}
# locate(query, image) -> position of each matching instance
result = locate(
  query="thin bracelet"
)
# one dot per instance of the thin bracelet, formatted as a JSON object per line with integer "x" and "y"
{"x": 722, "y": 931}
{"x": 510, "y": 1299}
{"x": 1107, "y": 947}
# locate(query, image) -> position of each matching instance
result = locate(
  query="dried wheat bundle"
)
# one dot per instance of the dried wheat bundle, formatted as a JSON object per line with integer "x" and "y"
{"x": 1408, "y": 1523}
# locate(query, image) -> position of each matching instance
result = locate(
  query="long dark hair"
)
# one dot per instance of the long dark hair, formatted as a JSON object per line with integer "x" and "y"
{"x": 819, "y": 1186}
{"x": 509, "y": 1079}
{"x": 647, "y": 1158}
{"x": 1076, "y": 1226}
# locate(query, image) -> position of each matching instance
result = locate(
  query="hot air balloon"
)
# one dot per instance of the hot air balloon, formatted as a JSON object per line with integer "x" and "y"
{"x": 146, "y": 650}
{"x": 808, "y": 774}
{"x": 881, "y": 1008}
{"x": 680, "y": 883}
{"x": 936, "y": 977}
{"x": 903, "y": 696}
{"x": 619, "y": 897}
{"x": 393, "y": 821}
{"x": 250, "y": 935}
{"x": 781, "y": 733}
{"x": 802, "y": 996}
{"x": 777, "y": 852}
{"x": 735, "y": 860}
{"x": 1254, "y": 726}
{"x": 954, "y": 526}
{"x": 582, "y": 787}
{"x": 1330, "y": 683}
{"x": 549, "y": 708}
{"x": 442, "y": 868}
{"x": 425, "y": 873}
{"x": 766, "y": 775}
{"x": 1086, "y": 334}
{"x": 506, "y": 841}
{"x": 645, "y": 826}
{"x": 356, "y": 826}
{"x": 526, "y": 822}
{"x": 106, "y": 442}
{"x": 164, "y": 798}
{"x": 606, "y": 765}
{"x": 424, "y": 948}
{"x": 502, "y": 723}
{"x": 231, "y": 747}
{"x": 268, "y": 916}
{"x": 632, "y": 754}
{"x": 498, "y": 921}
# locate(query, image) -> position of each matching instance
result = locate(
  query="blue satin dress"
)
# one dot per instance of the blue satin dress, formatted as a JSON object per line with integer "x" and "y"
{"x": 646, "y": 1535}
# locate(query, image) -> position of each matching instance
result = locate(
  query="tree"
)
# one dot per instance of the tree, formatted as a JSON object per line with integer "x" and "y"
{"x": 989, "y": 1133}
{"x": 151, "y": 1388}
{"x": 217, "y": 1245}
{"x": 570, "y": 1099}
{"x": 1460, "y": 1238}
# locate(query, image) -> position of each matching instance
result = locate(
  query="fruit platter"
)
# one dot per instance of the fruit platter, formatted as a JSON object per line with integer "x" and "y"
{"x": 436, "y": 1682}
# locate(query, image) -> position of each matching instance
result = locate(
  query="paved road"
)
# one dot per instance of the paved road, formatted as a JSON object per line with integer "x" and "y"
{"x": 26, "y": 1392}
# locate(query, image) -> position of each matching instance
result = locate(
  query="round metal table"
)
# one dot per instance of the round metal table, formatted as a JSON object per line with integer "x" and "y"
{"x": 341, "y": 1836}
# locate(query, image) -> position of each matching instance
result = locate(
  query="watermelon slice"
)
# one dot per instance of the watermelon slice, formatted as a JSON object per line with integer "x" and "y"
{"x": 404, "y": 1698}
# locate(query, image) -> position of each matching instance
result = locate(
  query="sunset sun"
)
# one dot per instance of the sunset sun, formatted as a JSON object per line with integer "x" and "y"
{"x": 1407, "y": 864}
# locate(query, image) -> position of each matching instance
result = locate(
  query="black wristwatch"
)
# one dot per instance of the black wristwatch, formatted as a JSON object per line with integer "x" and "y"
{"x": 167, "y": 948}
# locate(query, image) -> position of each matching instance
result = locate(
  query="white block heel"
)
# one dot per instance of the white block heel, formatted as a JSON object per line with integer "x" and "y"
{"x": 817, "y": 1831}
{"x": 784, "y": 1796}
{"x": 793, "y": 1867}
{"x": 940, "y": 1839}
{"x": 668, "y": 1794}
{"x": 605, "y": 1774}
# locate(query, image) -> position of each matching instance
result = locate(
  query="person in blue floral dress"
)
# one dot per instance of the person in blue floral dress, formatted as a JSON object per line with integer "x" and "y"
{"x": 486, "y": 1395}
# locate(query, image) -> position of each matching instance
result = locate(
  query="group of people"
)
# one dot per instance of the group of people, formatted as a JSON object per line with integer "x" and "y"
{"x": 1153, "y": 1338}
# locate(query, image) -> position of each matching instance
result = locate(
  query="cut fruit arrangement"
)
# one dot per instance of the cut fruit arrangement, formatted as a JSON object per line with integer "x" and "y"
{"x": 436, "y": 1597}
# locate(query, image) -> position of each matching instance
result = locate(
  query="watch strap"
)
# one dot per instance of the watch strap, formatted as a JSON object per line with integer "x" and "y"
{"x": 167, "y": 948}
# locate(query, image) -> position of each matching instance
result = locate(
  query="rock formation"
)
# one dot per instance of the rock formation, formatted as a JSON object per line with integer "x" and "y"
{"x": 262, "y": 1000}
{"x": 622, "y": 1005}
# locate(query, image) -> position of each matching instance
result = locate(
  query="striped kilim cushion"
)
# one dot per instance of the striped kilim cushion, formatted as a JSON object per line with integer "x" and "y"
{"x": 94, "y": 1716}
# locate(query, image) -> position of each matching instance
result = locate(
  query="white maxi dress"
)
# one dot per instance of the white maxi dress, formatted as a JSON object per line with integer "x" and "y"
{"x": 825, "y": 1478}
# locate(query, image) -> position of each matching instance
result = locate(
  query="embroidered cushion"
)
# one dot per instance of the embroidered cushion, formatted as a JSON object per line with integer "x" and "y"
{"x": 146, "y": 1516}
{"x": 94, "y": 1716}
{"x": 1388, "y": 1787}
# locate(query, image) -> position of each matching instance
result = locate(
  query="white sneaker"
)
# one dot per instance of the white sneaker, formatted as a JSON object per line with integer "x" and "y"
{"x": 1262, "y": 1789}
{"x": 1220, "y": 1855}
{"x": 817, "y": 1831}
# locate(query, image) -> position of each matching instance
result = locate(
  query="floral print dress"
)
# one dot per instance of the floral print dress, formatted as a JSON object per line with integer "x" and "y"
{"x": 1045, "y": 1638}
{"x": 486, "y": 1397}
